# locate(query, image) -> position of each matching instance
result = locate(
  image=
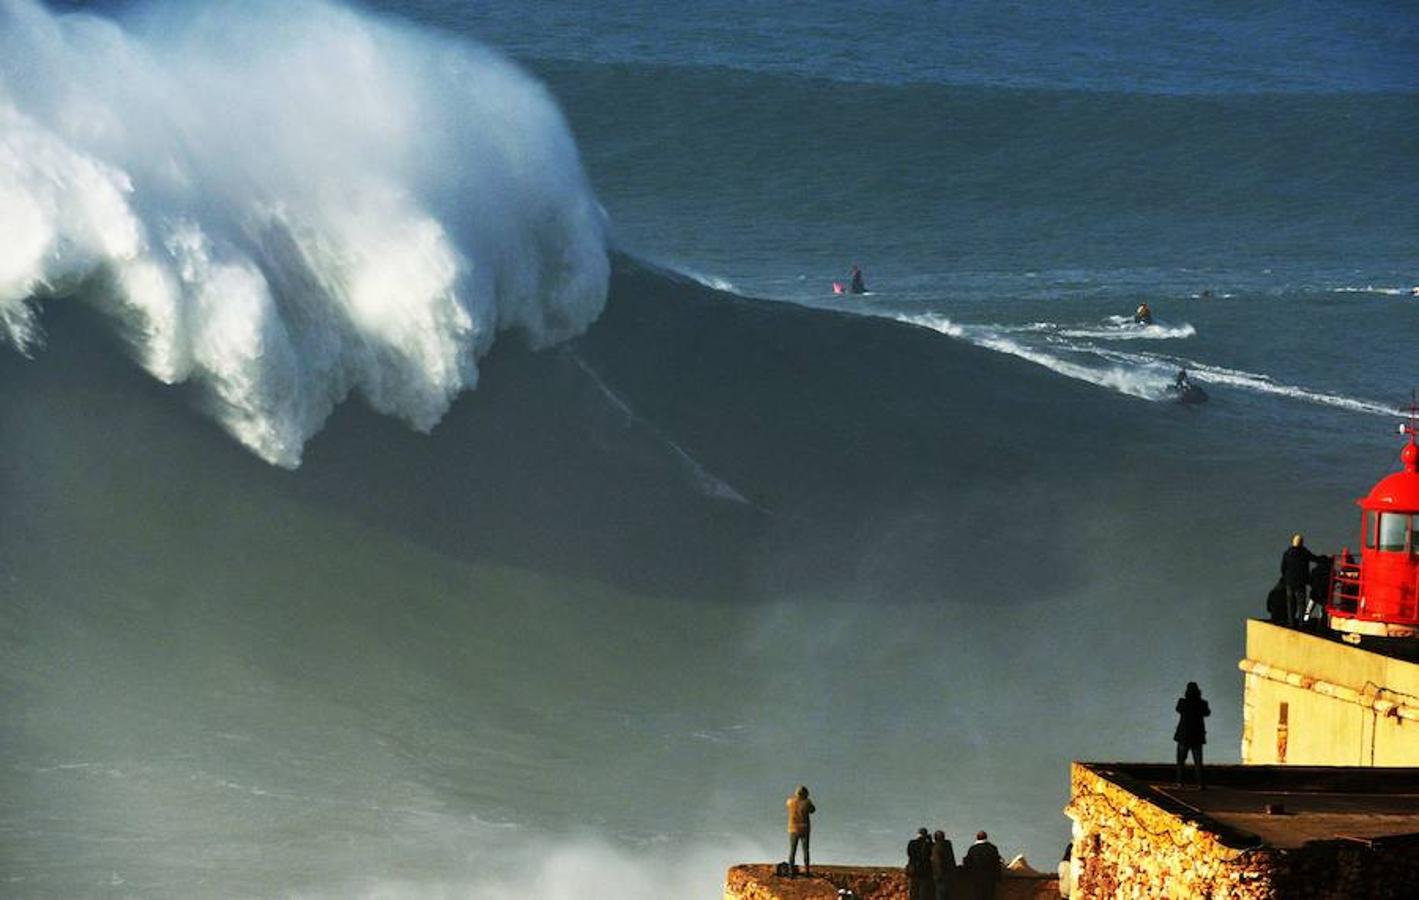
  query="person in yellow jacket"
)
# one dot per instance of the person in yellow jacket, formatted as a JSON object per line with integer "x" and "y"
{"x": 1143, "y": 315}
{"x": 799, "y": 826}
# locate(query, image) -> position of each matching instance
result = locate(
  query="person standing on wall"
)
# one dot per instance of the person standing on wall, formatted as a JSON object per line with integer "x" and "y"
{"x": 1191, "y": 732}
{"x": 943, "y": 865}
{"x": 800, "y": 808}
{"x": 982, "y": 865}
{"x": 919, "y": 866}
{"x": 1296, "y": 572}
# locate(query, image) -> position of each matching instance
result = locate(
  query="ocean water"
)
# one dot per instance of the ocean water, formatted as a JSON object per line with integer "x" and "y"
{"x": 434, "y": 461}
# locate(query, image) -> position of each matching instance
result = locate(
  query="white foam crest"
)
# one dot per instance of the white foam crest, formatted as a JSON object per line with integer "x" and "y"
{"x": 714, "y": 282}
{"x": 61, "y": 212}
{"x": 288, "y": 202}
{"x": 935, "y": 322}
{"x": 1371, "y": 289}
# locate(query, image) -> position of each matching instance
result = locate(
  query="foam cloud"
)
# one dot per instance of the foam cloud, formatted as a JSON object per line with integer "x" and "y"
{"x": 286, "y": 203}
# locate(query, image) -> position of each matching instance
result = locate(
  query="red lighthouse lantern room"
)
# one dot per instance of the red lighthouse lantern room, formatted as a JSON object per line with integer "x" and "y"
{"x": 1380, "y": 597}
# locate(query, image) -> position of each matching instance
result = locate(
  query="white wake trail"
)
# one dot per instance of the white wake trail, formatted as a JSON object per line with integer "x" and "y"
{"x": 705, "y": 481}
{"x": 1122, "y": 328}
{"x": 1265, "y": 384}
{"x": 1131, "y": 381}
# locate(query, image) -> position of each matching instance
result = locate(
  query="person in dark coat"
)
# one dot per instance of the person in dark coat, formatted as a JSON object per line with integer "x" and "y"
{"x": 943, "y": 865}
{"x": 1191, "y": 732}
{"x": 982, "y": 867}
{"x": 1296, "y": 572}
{"x": 919, "y": 866}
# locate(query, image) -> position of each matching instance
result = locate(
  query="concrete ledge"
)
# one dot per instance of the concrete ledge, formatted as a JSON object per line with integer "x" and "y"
{"x": 758, "y": 882}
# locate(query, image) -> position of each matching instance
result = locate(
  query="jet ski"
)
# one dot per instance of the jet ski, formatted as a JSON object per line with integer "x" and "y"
{"x": 1187, "y": 393}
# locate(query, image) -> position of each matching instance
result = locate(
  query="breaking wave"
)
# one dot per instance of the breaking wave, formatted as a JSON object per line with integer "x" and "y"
{"x": 286, "y": 205}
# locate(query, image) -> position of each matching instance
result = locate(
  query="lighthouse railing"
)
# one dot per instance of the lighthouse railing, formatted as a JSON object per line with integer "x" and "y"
{"x": 1344, "y": 594}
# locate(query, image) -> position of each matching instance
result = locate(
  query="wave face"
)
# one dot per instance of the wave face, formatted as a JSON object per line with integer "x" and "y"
{"x": 284, "y": 203}
{"x": 634, "y": 588}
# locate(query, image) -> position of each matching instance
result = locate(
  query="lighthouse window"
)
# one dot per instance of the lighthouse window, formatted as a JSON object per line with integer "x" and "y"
{"x": 1394, "y": 531}
{"x": 1372, "y": 520}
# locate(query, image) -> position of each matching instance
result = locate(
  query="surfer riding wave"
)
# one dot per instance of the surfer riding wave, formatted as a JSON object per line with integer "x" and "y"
{"x": 855, "y": 284}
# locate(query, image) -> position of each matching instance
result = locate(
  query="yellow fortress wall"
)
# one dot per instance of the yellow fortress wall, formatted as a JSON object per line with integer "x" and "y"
{"x": 1315, "y": 702}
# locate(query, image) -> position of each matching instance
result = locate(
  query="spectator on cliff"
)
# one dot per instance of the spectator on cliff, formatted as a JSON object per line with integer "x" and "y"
{"x": 800, "y": 808}
{"x": 943, "y": 865}
{"x": 982, "y": 867}
{"x": 919, "y": 866}
{"x": 1296, "y": 572}
{"x": 1191, "y": 732}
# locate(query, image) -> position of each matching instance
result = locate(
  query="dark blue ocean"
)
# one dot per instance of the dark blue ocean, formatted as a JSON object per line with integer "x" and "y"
{"x": 434, "y": 461}
{"x": 1022, "y": 171}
